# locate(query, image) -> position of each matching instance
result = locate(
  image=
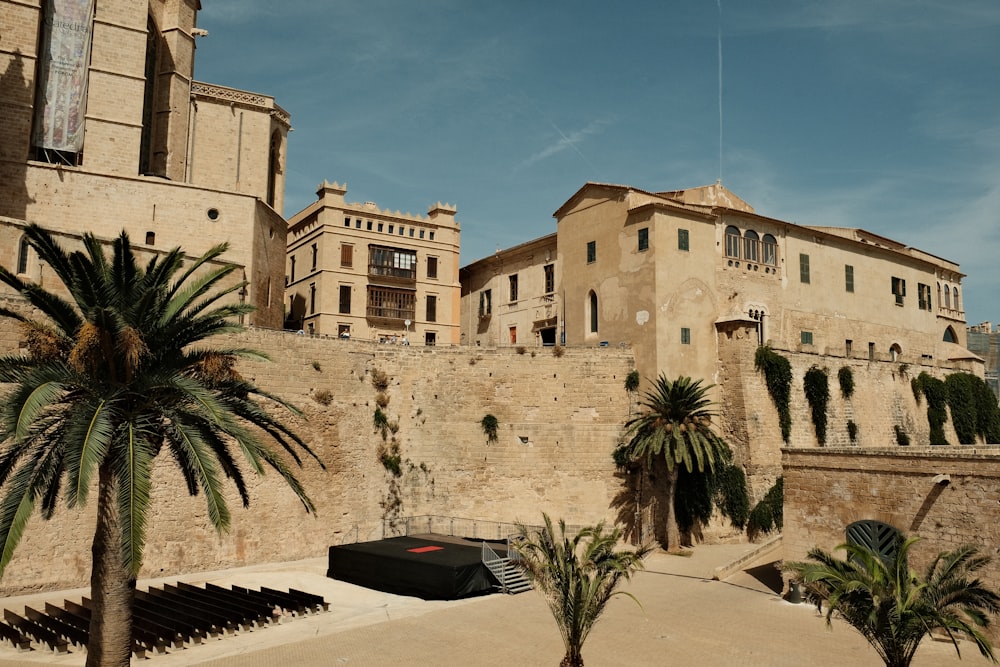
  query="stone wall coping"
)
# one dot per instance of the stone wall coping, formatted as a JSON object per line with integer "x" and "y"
{"x": 941, "y": 452}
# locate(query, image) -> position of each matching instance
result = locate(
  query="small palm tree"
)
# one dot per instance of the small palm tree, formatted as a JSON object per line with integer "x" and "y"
{"x": 892, "y": 608}
{"x": 112, "y": 378}
{"x": 577, "y": 575}
{"x": 674, "y": 429}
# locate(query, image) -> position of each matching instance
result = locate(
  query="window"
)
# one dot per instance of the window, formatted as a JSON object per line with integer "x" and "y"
{"x": 895, "y": 351}
{"x": 392, "y": 262}
{"x": 949, "y": 336}
{"x": 550, "y": 278}
{"x": 923, "y": 296}
{"x": 347, "y": 222}
{"x": 683, "y": 241}
{"x": 848, "y": 277}
{"x": 685, "y": 336}
{"x": 401, "y": 230}
{"x": 392, "y": 304}
{"x": 422, "y": 233}
{"x": 732, "y": 242}
{"x": 769, "y": 250}
{"x": 315, "y": 255}
{"x": 803, "y": 268}
{"x": 513, "y": 287}
{"x": 369, "y": 225}
{"x": 485, "y": 303}
{"x": 848, "y": 348}
{"x": 432, "y": 267}
{"x": 22, "y": 256}
{"x": 431, "y": 235}
{"x": 593, "y": 311}
{"x": 947, "y": 296}
{"x": 347, "y": 255}
{"x": 954, "y": 292}
{"x": 343, "y": 331}
{"x": 411, "y": 232}
{"x": 292, "y": 268}
{"x": 806, "y": 337}
{"x": 751, "y": 246}
{"x": 312, "y": 298}
{"x": 430, "y": 338}
{"x": 644, "y": 239}
{"x": 150, "y": 238}
{"x": 379, "y": 226}
{"x": 898, "y": 289}
{"x": 871, "y": 351}
{"x": 392, "y": 228}
{"x": 357, "y": 224}
{"x": 513, "y": 335}
{"x": 591, "y": 252}
{"x": 432, "y": 308}
{"x": 345, "y": 300}
{"x": 878, "y": 537}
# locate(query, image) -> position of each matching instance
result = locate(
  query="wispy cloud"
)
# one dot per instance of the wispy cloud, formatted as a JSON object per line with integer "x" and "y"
{"x": 566, "y": 142}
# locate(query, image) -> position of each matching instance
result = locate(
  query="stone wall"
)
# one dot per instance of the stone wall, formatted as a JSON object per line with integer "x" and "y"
{"x": 559, "y": 418}
{"x": 827, "y": 489}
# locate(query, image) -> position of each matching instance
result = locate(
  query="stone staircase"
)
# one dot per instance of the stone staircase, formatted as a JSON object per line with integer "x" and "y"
{"x": 509, "y": 575}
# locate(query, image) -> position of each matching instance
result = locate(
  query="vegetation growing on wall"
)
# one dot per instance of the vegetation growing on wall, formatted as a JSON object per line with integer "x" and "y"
{"x": 817, "y": 388}
{"x": 490, "y": 424}
{"x": 974, "y": 411}
{"x": 380, "y": 422}
{"x": 777, "y": 372}
{"x": 768, "y": 515}
{"x": 632, "y": 382}
{"x": 846, "y": 377}
{"x": 380, "y": 379}
{"x": 699, "y": 494}
{"x": 852, "y": 431}
{"x": 323, "y": 396}
{"x": 902, "y": 439}
{"x": 936, "y": 393}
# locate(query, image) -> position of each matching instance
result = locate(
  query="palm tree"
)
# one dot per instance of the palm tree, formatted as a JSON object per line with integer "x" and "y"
{"x": 113, "y": 377}
{"x": 577, "y": 576}
{"x": 674, "y": 429}
{"x": 888, "y": 603}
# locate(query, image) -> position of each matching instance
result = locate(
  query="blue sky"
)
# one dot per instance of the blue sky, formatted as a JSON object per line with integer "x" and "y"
{"x": 880, "y": 114}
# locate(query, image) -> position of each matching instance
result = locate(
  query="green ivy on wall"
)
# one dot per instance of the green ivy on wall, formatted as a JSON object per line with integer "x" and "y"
{"x": 768, "y": 514}
{"x": 846, "y": 377}
{"x": 974, "y": 411}
{"x": 817, "y": 388}
{"x": 724, "y": 489}
{"x": 777, "y": 372}
{"x": 936, "y": 393}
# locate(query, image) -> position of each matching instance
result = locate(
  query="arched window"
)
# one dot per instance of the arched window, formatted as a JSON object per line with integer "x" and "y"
{"x": 769, "y": 250}
{"x": 592, "y": 304}
{"x": 895, "y": 351}
{"x": 732, "y": 242}
{"x": 22, "y": 256}
{"x": 939, "y": 295}
{"x": 751, "y": 246}
{"x": 947, "y": 296}
{"x": 881, "y": 538}
{"x": 954, "y": 292}
{"x": 949, "y": 335}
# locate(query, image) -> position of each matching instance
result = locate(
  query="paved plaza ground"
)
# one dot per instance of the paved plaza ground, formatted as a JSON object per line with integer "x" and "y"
{"x": 686, "y": 618}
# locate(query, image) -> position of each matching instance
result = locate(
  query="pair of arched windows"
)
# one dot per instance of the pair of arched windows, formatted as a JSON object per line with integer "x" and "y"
{"x": 950, "y": 293}
{"x": 751, "y": 247}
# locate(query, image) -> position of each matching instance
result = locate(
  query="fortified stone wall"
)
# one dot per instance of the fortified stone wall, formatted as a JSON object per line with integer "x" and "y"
{"x": 559, "y": 419}
{"x": 828, "y": 489}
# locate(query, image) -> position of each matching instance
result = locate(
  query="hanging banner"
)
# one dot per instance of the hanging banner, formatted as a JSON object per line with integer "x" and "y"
{"x": 62, "y": 71}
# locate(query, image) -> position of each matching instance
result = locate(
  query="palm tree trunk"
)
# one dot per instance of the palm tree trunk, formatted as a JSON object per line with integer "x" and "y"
{"x": 573, "y": 658}
{"x": 111, "y": 586}
{"x": 673, "y": 532}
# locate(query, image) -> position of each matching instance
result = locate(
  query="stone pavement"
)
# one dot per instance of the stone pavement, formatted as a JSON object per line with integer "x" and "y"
{"x": 686, "y": 618}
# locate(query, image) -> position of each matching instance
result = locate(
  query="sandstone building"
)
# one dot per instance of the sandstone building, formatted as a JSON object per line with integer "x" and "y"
{"x": 672, "y": 273}
{"x": 105, "y": 129}
{"x": 356, "y": 271}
